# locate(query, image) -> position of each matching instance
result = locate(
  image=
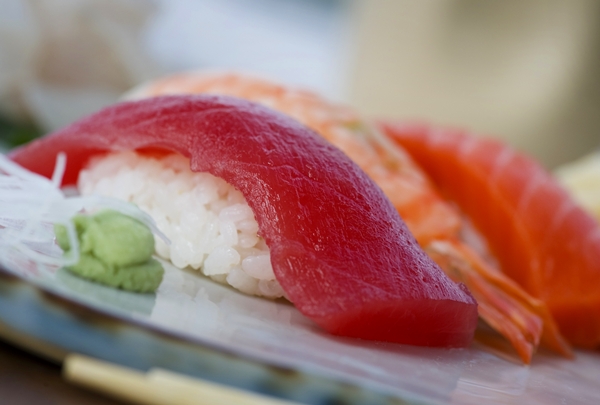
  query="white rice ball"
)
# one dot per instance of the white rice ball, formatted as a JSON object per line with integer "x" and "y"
{"x": 211, "y": 227}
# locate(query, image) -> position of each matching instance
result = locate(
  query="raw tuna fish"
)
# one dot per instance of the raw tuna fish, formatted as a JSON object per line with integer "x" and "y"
{"x": 338, "y": 247}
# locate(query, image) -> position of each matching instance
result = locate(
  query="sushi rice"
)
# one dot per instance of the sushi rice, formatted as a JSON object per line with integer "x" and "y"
{"x": 209, "y": 223}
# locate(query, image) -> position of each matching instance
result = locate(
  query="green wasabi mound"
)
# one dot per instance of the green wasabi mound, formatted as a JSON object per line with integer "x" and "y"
{"x": 115, "y": 250}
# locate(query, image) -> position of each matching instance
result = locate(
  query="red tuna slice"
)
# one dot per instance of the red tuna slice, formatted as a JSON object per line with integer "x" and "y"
{"x": 338, "y": 247}
{"x": 541, "y": 238}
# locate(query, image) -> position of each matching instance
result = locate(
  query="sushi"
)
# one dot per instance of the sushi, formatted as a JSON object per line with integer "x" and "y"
{"x": 540, "y": 236}
{"x": 337, "y": 246}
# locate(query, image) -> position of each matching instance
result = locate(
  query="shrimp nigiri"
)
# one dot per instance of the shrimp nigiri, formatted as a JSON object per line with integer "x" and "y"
{"x": 437, "y": 225}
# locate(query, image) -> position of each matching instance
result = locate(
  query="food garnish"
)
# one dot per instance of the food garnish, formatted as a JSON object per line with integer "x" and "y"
{"x": 115, "y": 250}
{"x": 118, "y": 235}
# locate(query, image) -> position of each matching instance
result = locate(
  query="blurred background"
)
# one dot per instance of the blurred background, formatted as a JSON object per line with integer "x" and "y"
{"x": 525, "y": 71}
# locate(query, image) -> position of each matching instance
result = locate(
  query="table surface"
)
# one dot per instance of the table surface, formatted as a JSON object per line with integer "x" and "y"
{"x": 29, "y": 380}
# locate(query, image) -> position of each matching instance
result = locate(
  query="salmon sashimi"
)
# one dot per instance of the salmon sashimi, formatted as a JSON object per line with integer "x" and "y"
{"x": 542, "y": 239}
{"x": 338, "y": 247}
{"x": 436, "y": 224}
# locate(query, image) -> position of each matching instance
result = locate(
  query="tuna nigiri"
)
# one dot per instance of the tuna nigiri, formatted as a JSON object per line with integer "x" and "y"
{"x": 337, "y": 245}
{"x": 541, "y": 238}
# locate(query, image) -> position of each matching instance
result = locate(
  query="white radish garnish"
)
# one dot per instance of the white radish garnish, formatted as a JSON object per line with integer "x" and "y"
{"x": 30, "y": 206}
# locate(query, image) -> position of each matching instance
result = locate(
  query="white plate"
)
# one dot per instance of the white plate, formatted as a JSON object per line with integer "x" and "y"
{"x": 196, "y": 326}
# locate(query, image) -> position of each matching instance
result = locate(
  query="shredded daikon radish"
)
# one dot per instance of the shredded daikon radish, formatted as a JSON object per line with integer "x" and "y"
{"x": 30, "y": 206}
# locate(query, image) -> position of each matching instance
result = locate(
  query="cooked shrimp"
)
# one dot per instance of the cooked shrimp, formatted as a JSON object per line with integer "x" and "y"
{"x": 436, "y": 224}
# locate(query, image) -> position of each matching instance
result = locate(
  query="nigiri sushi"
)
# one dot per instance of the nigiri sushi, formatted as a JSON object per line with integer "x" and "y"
{"x": 540, "y": 236}
{"x": 337, "y": 246}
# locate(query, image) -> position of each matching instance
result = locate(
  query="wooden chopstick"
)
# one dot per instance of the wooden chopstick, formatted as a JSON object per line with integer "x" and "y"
{"x": 157, "y": 387}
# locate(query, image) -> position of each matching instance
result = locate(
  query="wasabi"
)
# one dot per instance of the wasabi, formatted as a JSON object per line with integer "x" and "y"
{"x": 115, "y": 250}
